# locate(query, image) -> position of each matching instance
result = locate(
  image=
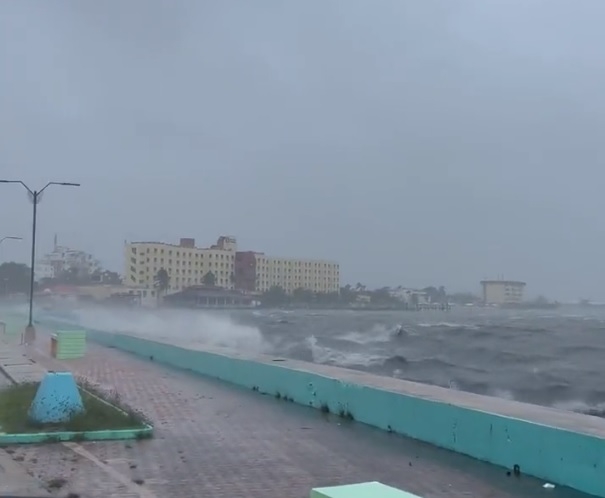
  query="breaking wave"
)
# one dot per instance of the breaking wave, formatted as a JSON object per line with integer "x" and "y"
{"x": 214, "y": 329}
{"x": 553, "y": 360}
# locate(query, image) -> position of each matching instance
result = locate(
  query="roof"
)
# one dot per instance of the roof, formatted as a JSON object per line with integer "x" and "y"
{"x": 177, "y": 246}
{"x": 503, "y": 282}
{"x": 202, "y": 291}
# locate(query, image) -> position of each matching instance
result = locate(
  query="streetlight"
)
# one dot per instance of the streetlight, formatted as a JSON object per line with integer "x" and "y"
{"x": 35, "y": 196}
{"x": 9, "y": 238}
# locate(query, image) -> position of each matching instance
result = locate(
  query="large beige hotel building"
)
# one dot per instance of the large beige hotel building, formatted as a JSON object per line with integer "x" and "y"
{"x": 248, "y": 271}
{"x": 502, "y": 291}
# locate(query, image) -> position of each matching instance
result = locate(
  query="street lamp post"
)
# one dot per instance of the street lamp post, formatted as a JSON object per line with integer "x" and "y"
{"x": 35, "y": 196}
{"x": 9, "y": 238}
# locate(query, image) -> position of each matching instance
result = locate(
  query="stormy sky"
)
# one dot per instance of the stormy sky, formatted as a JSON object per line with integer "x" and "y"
{"x": 416, "y": 142}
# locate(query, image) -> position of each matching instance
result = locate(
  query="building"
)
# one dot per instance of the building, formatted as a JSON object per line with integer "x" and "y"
{"x": 256, "y": 272}
{"x": 186, "y": 264}
{"x": 502, "y": 291}
{"x": 209, "y": 297}
{"x": 410, "y": 297}
{"x": 63, "y": 260}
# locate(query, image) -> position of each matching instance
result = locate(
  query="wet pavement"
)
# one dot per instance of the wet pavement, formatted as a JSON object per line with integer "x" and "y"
{"x": 16, "y": 482}
{"x": 216, "y": 440}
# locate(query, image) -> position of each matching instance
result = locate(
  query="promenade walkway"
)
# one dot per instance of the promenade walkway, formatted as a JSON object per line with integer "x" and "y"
{"x": 213, "y": 440}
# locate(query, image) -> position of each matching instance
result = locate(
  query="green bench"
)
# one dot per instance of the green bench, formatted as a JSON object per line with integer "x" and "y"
{"x": 68, "y": 344}
{"x": 362, "y": 490}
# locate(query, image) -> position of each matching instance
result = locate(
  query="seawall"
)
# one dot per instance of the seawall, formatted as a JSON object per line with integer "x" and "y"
{"x": 561, "y": 447}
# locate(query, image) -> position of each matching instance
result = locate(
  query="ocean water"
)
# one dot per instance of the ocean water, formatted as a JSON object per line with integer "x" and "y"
{"x": 548, "y": 357}
{"x": 552, "y": 358}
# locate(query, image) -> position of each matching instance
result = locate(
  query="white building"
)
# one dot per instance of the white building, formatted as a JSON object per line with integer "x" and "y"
{"x": 63, "y": 259}
{"x": 502, "y": 291}
{"x": 410, "y": 296}
{"x": 44, "y": 270}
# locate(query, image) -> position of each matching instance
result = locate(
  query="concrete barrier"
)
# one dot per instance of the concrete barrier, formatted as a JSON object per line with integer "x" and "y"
{"x": 361, "y": 490}
{"x": 562, "y": 447}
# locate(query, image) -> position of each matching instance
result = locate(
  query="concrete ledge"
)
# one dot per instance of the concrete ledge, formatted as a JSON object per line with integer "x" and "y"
{"x": 7, "y": 439}
{"x": 561, "y": 447}
{"x": 362, "y": 490}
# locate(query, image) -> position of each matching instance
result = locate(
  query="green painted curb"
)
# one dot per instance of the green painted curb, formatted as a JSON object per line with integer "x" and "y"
{"x": 58, "y": 436}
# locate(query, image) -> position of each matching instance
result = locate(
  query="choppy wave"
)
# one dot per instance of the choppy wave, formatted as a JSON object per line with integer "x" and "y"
{"x": 213, "y": 329}
{"x": 554, "y": 360}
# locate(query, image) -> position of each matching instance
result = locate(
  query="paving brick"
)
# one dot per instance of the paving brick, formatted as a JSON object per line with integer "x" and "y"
{"x": 15, "y": 481}
{"x": 215, "y": 440}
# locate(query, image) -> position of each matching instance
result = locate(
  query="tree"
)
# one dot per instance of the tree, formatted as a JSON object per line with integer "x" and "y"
{"x": 209, "y": 279}
{"x": 303, "y": 295}
{"x": 327, "y": 298}
{"x": 347, "y": 294}
{"x": 14, "y": 278}
{"x": 162, "y": 282}
{"x": 105, "y": 277}
{"x": 70, "y": 276}
{"x": 436, "y": 295}
{"x": 414, "y": 299}
{"x": 275, "y": 296}
{"x": 463, "y": 298}
{"x": 382, "y": 296}
{"x": 359, "y": 287}
{"x": 442, "y": 294}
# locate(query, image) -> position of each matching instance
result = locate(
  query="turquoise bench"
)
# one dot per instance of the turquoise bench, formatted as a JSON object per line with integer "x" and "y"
{"x": 362, "y": 490}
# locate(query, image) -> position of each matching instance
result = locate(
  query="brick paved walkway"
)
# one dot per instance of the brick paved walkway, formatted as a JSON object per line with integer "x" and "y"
{"x": 213, "y": 440}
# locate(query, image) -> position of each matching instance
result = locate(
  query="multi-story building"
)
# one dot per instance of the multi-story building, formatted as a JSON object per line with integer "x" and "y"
{"x": 502, "y": 291}
{"x": 186, "y": 264}
{"x": 257, "y": 272}
{"x": 63, "y": 260}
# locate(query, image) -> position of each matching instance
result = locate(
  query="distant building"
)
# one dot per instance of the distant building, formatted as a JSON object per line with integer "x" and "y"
{"x": 247, "y": 271}
{"x": 209, "y": 297}
{"x": 257, "y": 272}
{"x": 411, "y": 297}
{"x": 63, "y": 260}
{"x": 363, "y": 299}
{"x": 502, "y": 291}
{"x": 186, "y": 264}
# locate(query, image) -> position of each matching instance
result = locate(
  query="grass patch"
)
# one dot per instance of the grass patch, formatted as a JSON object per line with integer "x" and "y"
{"x": 101, "y": 412}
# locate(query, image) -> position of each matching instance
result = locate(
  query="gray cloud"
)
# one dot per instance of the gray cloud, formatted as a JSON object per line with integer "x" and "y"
{"x": 415, "y": 142}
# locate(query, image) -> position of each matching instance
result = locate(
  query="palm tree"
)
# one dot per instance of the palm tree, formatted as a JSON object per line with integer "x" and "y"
{"x": 161, "y": 282}
{"x": 209, "y": 279}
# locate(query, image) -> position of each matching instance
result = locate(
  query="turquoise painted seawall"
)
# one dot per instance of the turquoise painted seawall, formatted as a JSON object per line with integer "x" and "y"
{"x": 560, "y": 447}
